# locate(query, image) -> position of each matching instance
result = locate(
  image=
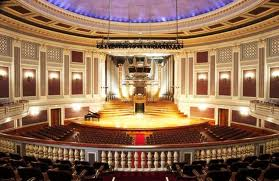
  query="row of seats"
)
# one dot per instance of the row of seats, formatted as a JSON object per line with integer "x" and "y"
{"x": 262, "y": 168}
{"x": 177, "y": 136}
{"x": 26, "y": 168}
{"x": 229, "y": 133}
{"x": 57, "y": 133}
{"x": 101, "y": 136}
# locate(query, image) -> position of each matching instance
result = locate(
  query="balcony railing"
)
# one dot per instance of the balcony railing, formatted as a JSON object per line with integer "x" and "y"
{"x": 264, "y": 109}
{"x": 13, "y": 109}
{"x": 138, "y": 158}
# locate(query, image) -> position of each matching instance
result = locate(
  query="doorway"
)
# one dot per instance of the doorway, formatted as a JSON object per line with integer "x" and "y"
{"x": 56, "y": 117}
{"x": 223, "y": 116}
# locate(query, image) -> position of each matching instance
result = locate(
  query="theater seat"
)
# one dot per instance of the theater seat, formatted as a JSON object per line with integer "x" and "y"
{"x": 59, "y": 175}
{"x": 28, "y": 173}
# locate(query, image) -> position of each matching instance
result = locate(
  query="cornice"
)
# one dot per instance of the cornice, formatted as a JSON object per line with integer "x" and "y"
{"x": 224, "y": 13}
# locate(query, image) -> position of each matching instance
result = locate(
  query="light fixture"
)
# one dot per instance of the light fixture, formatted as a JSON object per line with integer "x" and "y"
{"x": 275, "y": 74}
{"x": 244, "y": 111}
{"x": 224, "y": 76}
{"x": 53, "y": 75}
{"x": 202, "y": 107}
{"x": 76, "y": 76}
{"x": 138, "y": 43}
{"x": 249, "y": 75}
{"x": 29, "y": 75}
{"x": 34, "y": 111}
{"x": 76, "y": 107}
{"x": 202, "y": 77}
{"x": 3, "y": 74}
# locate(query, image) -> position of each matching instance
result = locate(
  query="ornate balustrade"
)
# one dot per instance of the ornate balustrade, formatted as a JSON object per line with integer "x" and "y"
{"x": 13, "y": 109}
{"x": 264, "y": 109}
{"x": 138, "y": 158}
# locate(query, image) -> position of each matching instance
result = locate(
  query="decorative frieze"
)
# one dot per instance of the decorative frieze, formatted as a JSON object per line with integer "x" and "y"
{"x": 54, "y": 54}
{"x": 224, "y": 55}
{"x": 5, "y": 46}
{"x": 273, "y": 46}
{"x": 29, "y": 50}
{"x": 249, "y": 51}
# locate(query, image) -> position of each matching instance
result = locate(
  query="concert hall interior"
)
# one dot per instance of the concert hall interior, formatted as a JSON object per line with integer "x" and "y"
{"x": 159, "y": 90}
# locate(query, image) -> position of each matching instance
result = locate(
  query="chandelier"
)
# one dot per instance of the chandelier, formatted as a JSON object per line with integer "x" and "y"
{"x": 107, "y": 43}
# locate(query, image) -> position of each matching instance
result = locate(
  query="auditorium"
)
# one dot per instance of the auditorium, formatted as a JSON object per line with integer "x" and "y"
{"x": 133, "y": 90}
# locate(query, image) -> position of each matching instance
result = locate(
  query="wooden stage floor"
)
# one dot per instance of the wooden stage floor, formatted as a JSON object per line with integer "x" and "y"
{"x": 140, "y": 122}
{"x": 162, "y": 114}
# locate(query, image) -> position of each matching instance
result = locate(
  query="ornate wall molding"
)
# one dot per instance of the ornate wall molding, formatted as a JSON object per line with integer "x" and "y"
{"x": 273, "y": 46}
{"x": 54, "y": 54}
{"x": 224, "y": 55}
{"x": 249, "y": 51}
{"x": 5, "y": 46}
{"x": 29, "y": 50}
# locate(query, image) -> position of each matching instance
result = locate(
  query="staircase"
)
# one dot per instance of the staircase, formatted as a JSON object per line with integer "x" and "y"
{"x": 160, "y": 109}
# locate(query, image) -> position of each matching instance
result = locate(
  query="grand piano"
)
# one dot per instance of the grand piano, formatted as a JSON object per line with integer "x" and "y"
{"x": 92, "y": 115}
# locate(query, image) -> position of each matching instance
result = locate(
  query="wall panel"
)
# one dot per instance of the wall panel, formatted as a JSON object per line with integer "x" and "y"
{"x": 29, "y": 82}
{"x": 208, "y": 113}
{"x": 249, "y": 83}
{"x": 4, "y": 82}
{"x": 238, "y": 118}
{"x": 41, "y": 118}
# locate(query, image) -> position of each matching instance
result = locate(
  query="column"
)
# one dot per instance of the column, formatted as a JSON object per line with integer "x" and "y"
{"x": 212, "y": 73}
{"x": 262, "y": 72}
{"x": 43, "y": 71}
{"x": 16, "y": 69}
{"x": 236, "y": 71}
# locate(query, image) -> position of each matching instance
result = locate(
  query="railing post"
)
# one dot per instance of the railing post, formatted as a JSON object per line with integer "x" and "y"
{"x": 142, "y": 160}
{"x": 116, "y": 160}
{"x": 163, "y": 160}
{"x": 136, "y": 157}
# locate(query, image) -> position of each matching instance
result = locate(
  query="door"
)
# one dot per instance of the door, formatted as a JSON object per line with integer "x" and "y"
{"x": 55, "y": 117}
{"x": 223, "y": 116}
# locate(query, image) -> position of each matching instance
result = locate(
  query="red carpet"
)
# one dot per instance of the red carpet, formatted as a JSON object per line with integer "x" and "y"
{"x": 140, "y": 176}
{"x": 139, "y": 139}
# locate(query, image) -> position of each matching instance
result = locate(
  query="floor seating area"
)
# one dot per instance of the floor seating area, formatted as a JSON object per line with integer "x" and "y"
{"x": 177, "y": 136}
{"x": 94, "y": 135}
{"x": 229, "y": 133}
{"x": 255, "y": 168}
{"x": 26, "y": 168}
{"x": 101, "y": 136}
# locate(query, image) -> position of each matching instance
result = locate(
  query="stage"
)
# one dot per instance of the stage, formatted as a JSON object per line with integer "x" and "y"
{"x": 140, "y": 122}
{"x": 157, "y": 116}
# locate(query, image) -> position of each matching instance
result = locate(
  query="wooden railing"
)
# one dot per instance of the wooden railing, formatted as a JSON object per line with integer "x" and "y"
{"x": 138, "y": 158}
{"x": 13, "y": 109}
{"x": 264, "y": 109}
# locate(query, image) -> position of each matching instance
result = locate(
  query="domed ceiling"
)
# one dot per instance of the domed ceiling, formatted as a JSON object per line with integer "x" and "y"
{"x": 140, "y": 11}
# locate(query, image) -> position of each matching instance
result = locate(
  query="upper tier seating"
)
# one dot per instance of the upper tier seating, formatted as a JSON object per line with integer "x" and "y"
{"x": 229, "y": 133}
{"x": 57, "y": 133}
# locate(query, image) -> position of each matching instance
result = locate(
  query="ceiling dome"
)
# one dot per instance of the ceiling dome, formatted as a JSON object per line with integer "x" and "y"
{"x": 140, "y": 11}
